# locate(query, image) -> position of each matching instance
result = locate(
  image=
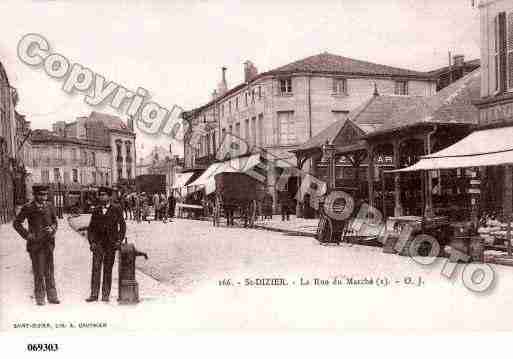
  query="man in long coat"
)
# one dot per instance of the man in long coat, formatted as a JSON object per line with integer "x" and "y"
{"x": 105, "y": 233}
{"x": 40, "y": 237}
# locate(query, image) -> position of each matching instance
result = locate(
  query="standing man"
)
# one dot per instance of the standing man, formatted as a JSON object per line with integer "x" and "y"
{"x": 156, "y": 206}
{"x": 105, "y": 233}
{"x": 171, "y": 206}
{"x": 40, "y": 237}
{"x": 284, "y": 199}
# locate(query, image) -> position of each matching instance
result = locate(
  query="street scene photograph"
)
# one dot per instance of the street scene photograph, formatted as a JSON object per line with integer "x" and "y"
{"x": 219, "y": 166}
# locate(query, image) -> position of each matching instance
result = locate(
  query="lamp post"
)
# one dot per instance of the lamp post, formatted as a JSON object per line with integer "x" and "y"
{"x": 328, "y": 155}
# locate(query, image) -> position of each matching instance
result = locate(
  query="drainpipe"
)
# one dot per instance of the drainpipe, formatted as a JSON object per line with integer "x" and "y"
{"x": 428, "y": 210}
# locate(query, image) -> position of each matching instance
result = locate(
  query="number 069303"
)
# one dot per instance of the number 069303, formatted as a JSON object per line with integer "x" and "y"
{"x": 42, "y": 347}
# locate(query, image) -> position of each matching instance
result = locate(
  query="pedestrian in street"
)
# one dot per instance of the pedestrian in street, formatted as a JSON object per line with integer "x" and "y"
{"x": 105, "y": 233}
{"x": 171, "y": 205}
{"x": 131, "y": 205}
{"x": 284, "y": 199}
{"x": 145, "y": 206}
{"x": 163, "y": 207}
{"x": 156, "y": 199}
{"x": 137, "y": 207}
{"x": 40, "y": 237}
{"x": 267, "y": 206}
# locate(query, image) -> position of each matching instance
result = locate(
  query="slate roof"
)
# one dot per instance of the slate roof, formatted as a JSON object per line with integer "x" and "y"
{"x": 469, "y": 65}
{"x": 326, "y": 63}
{"x": 451, "y": 105}
{"x": 330, "y": 63}
{"x": 370, "y": 116}
{"x": 383, "y": 113}
{"x": 110, "y": 121}
{"x": 46, "y": 136}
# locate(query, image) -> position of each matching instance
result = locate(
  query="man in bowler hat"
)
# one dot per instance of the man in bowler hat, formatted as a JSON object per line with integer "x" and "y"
{"x": 40, "y": 237}
{"x": 105, "y": 233}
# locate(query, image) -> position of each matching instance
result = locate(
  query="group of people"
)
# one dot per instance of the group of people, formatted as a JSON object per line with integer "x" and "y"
{"x": 106, "y": 231}
{"x": 137, "y": 205}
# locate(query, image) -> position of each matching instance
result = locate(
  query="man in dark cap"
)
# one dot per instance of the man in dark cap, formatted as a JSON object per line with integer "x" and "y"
{"x": 40, "y": 237}
{"x": 105, "y": 233}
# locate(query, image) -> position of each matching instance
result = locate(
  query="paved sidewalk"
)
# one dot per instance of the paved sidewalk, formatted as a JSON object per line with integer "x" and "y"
{"x": 299, "y": 226}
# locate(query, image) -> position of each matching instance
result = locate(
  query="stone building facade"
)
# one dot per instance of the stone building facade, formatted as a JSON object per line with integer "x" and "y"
{"x": 8, "y": 99}
{"x": 98, "y": 149}
{"x": 278, "y": 110}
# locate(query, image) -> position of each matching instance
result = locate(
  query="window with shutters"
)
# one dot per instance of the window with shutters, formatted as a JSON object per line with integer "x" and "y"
{"x": 231, "y": 130}
{"x": 259, "y": 92}
{"x": 286, "y": 86}
{"x": 237, "y": 129}
{"x": 286, "y": 131}
{"x": 253, "y": 131}
{"x": 45, "y": 176}
{"x": 509, "y": 49}
{"x": 56, "y": 175}
{"x": 401, "y": 88}
{"x": 261, "y": 130}
{"x": 74, "y": 173}
{"x": 246, "y": 130}
{"x": 237, "y": 102}
{"x": 339, "y": 87}
{"x": 223, "y": 134}
{"x": 496, "y": 53}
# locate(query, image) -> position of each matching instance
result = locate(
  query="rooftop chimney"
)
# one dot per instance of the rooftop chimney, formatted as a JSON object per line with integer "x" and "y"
{"x": 222, "y": 87}
{"x": 214, "y": 94}
{"x": 250, "y": 71}
{"x": 458, "y": 60}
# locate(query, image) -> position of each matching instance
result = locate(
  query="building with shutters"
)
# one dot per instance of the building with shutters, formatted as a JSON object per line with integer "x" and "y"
{"x": 98, "y": 149}
{"x": 278, "y": 110}
{"x": 8, "y": 100}
{"x": 496, "y": 104}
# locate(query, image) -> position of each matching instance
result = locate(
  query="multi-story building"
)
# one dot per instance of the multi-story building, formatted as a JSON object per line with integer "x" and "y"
{"x": 280, "y": 109}
{"x": 69, "y": 161}
{"x": 496, "y": 104}
{"x": 8, "y": 99}
{"x": 96, "y": 149}
{"x": 13, "y": 150}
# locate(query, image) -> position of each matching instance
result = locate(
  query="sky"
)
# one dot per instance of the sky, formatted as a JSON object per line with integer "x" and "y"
{"x": 175, "y": 49}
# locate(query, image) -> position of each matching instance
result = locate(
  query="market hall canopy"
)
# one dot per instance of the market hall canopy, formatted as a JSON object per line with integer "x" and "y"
{"x": 489, "y": 147}
{"x": 240, "y": 164}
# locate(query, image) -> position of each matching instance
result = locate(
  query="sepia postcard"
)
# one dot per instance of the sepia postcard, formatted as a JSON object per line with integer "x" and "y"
{"x": 339, "y": 165}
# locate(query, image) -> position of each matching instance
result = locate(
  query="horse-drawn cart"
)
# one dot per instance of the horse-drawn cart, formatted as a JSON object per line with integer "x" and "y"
{"x": 236, "y": 194}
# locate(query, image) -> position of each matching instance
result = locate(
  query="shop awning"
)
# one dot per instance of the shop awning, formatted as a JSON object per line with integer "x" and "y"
{"x": 181, "y": 179}
{"x": 490, "y": 147}
{"x": 240, "y": 164}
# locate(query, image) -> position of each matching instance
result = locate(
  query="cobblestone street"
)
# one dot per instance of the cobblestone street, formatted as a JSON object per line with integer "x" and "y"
{"x": 179, "y": 284}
